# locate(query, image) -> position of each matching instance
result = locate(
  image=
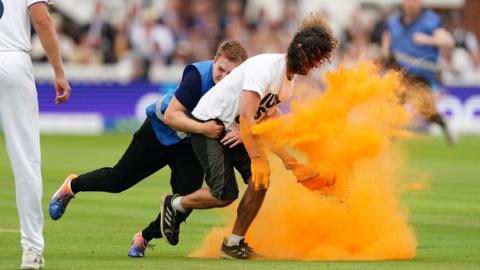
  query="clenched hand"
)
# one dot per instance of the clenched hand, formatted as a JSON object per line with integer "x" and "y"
{"x": 62, "y": 90}
{"x": 260, "y": 173}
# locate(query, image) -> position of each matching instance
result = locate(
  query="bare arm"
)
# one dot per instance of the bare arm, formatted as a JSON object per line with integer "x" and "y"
{"x": 259, "y": 162}
{"x": 473, "y": 47}
{"x": 386, "y": 42}
{"x": 248, "y": 109}
{"x": 288, "y": 160}
{"x": 176, "y": 117}
{"x": 46, "y": 32}
{"x": 440, "y": 38}
{"x": 443, "y": 39}
{"x": 250, "y": 103}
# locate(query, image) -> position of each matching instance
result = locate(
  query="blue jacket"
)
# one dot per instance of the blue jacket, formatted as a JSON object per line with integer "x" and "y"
{"x": 419, "y": 60}
{"x": 155, "y": 112}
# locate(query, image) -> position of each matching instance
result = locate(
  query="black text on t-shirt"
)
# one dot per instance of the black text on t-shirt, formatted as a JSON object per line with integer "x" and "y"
{"x": 269, "y": 101}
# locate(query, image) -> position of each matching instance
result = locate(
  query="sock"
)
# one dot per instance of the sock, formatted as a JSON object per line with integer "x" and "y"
{"x": 234, "y": 240}
{"x": 152, "y": 230}
{"x": 177, "y": 205}
{"x": 146, "y": 236}
{"x": 73, "y": 187}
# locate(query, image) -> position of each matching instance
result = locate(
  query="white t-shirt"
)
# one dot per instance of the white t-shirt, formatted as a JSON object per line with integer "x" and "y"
{"x": 264, "y": 74}
{"x": 15, "y": 25}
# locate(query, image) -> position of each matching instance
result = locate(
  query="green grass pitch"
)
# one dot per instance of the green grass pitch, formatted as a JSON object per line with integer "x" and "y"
{"x": 95, "y": 232}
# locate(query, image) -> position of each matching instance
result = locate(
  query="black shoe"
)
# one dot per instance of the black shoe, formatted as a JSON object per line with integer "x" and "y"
{"x": 169, "y": 223}
{"x": 239, "y": 252}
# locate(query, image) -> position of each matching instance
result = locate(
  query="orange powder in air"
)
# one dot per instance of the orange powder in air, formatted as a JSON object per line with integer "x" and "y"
{"x": 346, "y": 133}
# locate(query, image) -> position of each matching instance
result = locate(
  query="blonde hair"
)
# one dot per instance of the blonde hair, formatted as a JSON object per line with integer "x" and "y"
{"x": 232, "y": 50}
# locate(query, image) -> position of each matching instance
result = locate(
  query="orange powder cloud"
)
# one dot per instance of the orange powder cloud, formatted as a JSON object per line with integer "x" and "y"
{"x": 346, "y": 133}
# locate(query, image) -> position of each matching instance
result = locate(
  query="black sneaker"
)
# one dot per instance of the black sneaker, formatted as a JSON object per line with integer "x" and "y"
{"x": 248, "y": 248}
{"x": 239, "y": 252}
{"x": 169, "y": 225}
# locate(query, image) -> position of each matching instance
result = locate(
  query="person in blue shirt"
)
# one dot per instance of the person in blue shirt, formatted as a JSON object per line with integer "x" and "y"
{"x": 412, "y": 41}
{"x": 155, "y": 145}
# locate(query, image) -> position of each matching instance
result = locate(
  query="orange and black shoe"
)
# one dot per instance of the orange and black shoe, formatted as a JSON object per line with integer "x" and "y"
{"x": 139, "y": 244}
{"x": 61, "y": 198}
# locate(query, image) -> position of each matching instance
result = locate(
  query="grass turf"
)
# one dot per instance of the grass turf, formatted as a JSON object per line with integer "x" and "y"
{"x": 95, "y": 233}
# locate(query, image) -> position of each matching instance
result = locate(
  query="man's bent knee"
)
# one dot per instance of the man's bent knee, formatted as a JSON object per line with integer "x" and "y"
{"x": 224, "y": 198}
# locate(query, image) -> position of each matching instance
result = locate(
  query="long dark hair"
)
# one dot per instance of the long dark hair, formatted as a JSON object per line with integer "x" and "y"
{"x": 312, "y": 44}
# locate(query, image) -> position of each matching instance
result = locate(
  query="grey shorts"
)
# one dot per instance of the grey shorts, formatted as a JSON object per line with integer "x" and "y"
{"x": 218, "y": 162}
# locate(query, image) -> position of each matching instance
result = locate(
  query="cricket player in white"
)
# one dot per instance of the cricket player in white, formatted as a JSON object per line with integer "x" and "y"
{"x": 19, "y": 112}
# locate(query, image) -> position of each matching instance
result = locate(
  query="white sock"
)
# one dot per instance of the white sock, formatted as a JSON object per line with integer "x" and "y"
{"x": 234, "y": 240}
{"x": 177, "y": 205}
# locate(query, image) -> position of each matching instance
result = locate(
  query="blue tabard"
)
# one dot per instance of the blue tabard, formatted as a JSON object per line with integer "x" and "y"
{"x": 155, "y": 112}
{"x": 419, "y": 60}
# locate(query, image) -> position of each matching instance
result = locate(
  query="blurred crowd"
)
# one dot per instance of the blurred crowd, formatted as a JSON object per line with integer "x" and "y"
{"x": 186, "y": 31}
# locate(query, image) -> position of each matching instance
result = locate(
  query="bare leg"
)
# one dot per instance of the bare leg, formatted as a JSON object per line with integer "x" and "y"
{"x": 248, "y": 208}
{"x": 202, "y": 199}
{"x": 438, "y": 119}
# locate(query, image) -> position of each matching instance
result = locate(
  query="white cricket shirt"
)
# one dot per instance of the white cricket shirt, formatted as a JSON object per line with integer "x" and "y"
{"x": 15, "y": 25}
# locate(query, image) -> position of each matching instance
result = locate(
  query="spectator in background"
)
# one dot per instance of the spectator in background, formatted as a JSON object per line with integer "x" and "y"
{"x": 233, "y": 14}
{"x": 67, "y": 44}
{"x": 464, "y": 38}
{"x": 291, "y": 18}
{"x": 356, "y": 43}
{"x": 379, "y": 27}
{"x": 151, "y": 42}
{"x": 100, "y": 35}
{"x": 461, "y": 65}
{"x": 267, "y": 37}
{"x": 354, "y": 28}
{"x": 187, "y": 31}
{"x": 413, "y": 39}
{"x": 204, "y": 29}
{"x": 176, "y": 17}
{"x": 86, "y": 54}
{"x": 121, "y": 44}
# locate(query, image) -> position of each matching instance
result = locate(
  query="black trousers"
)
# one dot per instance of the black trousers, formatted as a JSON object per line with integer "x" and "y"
{"x": 144, "y": 156}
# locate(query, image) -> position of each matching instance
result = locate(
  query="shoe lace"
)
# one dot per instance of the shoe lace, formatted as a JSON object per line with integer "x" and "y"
{"x": 176, "y": 226}
{"x": 66, "y": 196}
{"x": 244, "y": 245}
{"x": 178, "y": 221}
{"x": 144, "y": 245}
{"x": 150, "y": 246}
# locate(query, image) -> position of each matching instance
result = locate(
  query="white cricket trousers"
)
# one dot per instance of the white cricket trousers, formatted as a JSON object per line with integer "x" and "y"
{"x": 19, "y": 120}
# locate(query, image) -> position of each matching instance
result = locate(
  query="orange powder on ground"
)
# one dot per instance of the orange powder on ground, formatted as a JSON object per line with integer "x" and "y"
{"x": 346, "y": 133}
